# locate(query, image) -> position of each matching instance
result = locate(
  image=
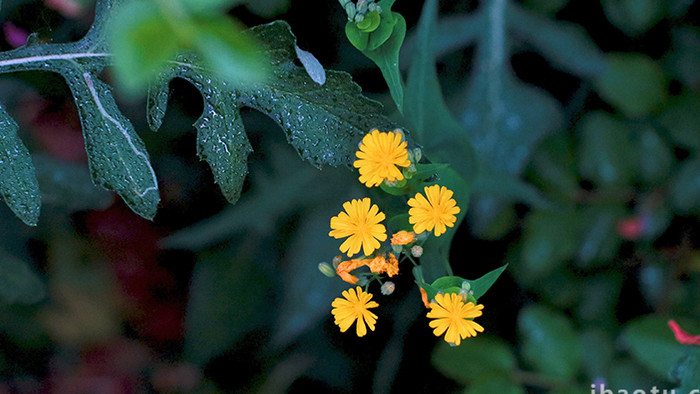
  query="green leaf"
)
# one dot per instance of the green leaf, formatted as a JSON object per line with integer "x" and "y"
{"x": 222, "y": 142}
{"x": 651, "y": 342}
{"x": 553, "y": 167}
{"x": 600, "y": 352}
{"x": 567, "y": 46}
{"x": 544, "y": 249}
{"x": 18, "y": 282}
{"x": 482, "y": 285}
{"x": 432, "y": 124}
{"x": 599, "y": 241}
{"x": 549, "y": 342}
{"x": 386, "y": 56}
{"x": 474, "y": 357}
{"x": 632, "y": 83}
{"x": 634, "y": 17}
{"x": 117, "y": 156}
{"x": 684, "y": 57}
{"x": 606, "y": 151}
{"x": 685, "y": 187}
{"x": 18, "y": 183}
{"x": 654, "y": 156}
{"x": 323, "y": 122}
{"x": 681, "y": 120}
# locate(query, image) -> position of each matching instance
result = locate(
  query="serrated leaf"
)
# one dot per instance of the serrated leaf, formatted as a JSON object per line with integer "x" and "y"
{"x": 494, "y": 356}
{"x": 18, "y": 183}
{"x": 18, "y": 282}
{"x": 549, "y": 342}
{"x": 116, "y": 154}
{"x": 222, "y": 142}
{"x": 324, "y": 123}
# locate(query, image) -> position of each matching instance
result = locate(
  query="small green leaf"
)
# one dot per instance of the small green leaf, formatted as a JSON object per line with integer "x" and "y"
{"x": 18, "y": 282}
{"x": 370, "y": 23}
{"x": 684, "y": 57}
{"x": 654, "y": 156}
{"x": 549, "y": 342}
{"x": 681, "y": 120}
{"x": 473, "y": 358}
{"x": 651, "y": 342}
{"x": 606, "y": 150}
{"x": 634, "y": 16}
{"x": 18, "y": 183}
{"x": 553, "y": 167}
{"x": 685, "y": 187}
{"x": 549, "y": 240}
{"x": 632, "y": 83}
{"x": 482, "y": 285}
{"x": 599, "y": 241}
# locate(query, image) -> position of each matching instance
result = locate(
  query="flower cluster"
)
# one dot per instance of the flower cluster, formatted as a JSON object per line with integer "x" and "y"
{"x": 384, "y": 160}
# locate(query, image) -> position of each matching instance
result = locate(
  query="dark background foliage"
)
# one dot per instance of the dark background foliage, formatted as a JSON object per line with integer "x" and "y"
{"x": 597, "y": 219}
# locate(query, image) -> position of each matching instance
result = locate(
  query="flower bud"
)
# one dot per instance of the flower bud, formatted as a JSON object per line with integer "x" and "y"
{"x": 388, "y": 288}
{"x": 326, "y": 269}
{"x": 336, "y": 261}
{"x": 397, "y": 249}
{"x": 417, "y": 251}
{"x": 362, "y": 281}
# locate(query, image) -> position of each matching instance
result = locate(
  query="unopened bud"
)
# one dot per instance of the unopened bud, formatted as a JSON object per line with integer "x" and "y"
{"x": 417, "y": 155}
{"x": 422, "y": 236}
{"x": 463, "y": 293}
{"x": 350, "y": 10}
{"x": 391, "y": 183}
{"x": 400, "y": 132}
{"x": 417, "y": 251}
{"x": 388, "y": 288}
{"x": 326, "y": 269}
{"x": 362, "y": 281}
{"x": 336, "y": 261}
{"x": 466, "y": 286}
{"x": 359, "y": 18}
{"x": 396, "y": 248}
{"x": 409, "y": 171}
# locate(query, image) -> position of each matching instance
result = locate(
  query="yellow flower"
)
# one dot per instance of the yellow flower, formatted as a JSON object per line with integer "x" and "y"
{"x": 360, "y": 223}
{"x": 353, "y": 307}
{"x": 437, "y": 211}
{"x": 403, "y": 238}
{"x": 379, "y": 155}
{"x": 451, "y": 314}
